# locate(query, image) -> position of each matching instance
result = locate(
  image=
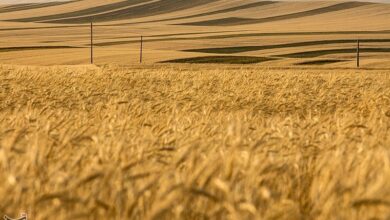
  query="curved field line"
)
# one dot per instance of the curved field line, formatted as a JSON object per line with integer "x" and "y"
{"x": 29, "y": 6}
{"x": 155, "y": 8}
{"x": 85, "y": 12}
{"x": 318, "y": 53}
{"x": 238, "y": 21}
{"x": 232, "y": 50}
{"x": 320, "y": 62}
{"x": 11, "y": 49}
{"x": 232, "y": 9}
{"x": 221, "y": 60}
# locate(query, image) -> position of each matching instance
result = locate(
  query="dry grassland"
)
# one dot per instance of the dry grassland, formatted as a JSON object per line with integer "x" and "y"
{"x": 190, "y": 142}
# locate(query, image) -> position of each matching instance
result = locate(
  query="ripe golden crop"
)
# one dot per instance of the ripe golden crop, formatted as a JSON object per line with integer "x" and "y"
{"x": 190, "y": 142}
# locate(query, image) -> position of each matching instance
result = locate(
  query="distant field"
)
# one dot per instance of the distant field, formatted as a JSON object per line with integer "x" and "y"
{"x": 194, "y": 142}
{"x": 286, "y": 33}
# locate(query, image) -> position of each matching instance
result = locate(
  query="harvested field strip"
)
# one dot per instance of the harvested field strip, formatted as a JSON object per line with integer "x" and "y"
{"x": 29, "y": 6}
{"x": 231, "y": 50}
{"x": 16, "y": 7}
{"x": 239, "y": 21}
{"x": 113, "y": 43}
{"x": 10, "y": 49}
{"x": 221, "y": 60}
{"x": 232, "y": 9}
{"x": 153, "y": 8}
{"x": 320, "y": 62}
{"x": 84, "y": 12}
{"x": 290, "y": 34}
{"x": 43, "y": 28}
{"x": 178, "y": 34}
{"x": 214, "y": 37}
{"x": 317, "y": 53}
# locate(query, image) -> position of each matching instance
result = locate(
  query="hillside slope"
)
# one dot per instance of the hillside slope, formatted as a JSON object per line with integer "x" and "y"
{"x": 176, "y": 29}
{"x": 206, "y": 11}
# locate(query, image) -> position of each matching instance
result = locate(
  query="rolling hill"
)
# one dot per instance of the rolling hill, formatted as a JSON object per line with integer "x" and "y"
{"x": 282, "y": 32}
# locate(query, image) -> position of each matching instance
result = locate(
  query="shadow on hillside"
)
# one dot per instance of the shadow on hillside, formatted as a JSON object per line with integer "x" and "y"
{"x": 241, "y": 21}
{"x": 320, "y": 62}
{"x": 232, "y": 50}
{"x": 222, "y": 60}
{"x": 317, "y": 53}
{"x": 10, "y": 49}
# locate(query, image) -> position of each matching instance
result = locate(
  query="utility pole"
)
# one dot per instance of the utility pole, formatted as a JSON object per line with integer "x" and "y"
{"x": 91, "y": 43}
{"x": 141, "y": 48}
{"x": 358, "y": 54}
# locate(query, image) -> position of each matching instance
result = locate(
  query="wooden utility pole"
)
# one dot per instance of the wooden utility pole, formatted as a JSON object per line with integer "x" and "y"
{"x": 91, "y": 43}
{"x": 358, "y": 54}
{"x": 141, "y": 48}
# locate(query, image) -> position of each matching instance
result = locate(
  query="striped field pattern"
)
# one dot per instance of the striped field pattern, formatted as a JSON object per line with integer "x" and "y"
{"x": 286, "y": 33}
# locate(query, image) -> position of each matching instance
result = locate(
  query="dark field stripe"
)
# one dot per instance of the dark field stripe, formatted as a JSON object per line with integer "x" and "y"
{"x": 23, "y": 7}
{"x": 239, "y": 21}
{"x": 317, "y": 53}
{"x": 11, "y": 49}
{"x": 16, "y": 7}
{"x": 232, "y": 50}
{"x": 320, "y": 62}
{"x": 221, "y": 60}
{"x": 190, "y": 33}
{"x": 173, "y": 35}
{"x": 154, "y": 8}
{"x": 242, "y": 7}
{"x": 85, "y": 12}
{"x": 42, "y": 28}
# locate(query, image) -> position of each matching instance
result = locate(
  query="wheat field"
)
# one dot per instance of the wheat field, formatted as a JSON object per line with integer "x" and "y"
{"x": 194, "y": 142}
{"x": 241, "y": 109}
